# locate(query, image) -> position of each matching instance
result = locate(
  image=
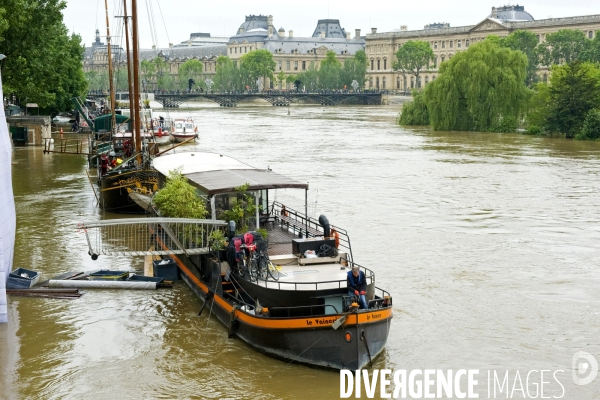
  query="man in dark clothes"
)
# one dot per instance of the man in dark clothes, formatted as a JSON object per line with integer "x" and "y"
{"x": 357, "y": 286}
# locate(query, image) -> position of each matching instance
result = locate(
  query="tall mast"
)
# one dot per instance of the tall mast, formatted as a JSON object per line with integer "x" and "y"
{"x": 111, "y": 87}
{"x": 129, "y": 78}
{"x": 136, "y": 78}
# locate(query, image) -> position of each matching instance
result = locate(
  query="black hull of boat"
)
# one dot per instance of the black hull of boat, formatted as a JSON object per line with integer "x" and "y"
{"x": 306, "y": 340}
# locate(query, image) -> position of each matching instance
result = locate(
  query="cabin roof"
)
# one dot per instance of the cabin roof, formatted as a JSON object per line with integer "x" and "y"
{"x": 215, "y": 173}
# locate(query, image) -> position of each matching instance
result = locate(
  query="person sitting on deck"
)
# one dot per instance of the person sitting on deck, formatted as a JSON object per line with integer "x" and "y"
{"x": 357, "y": 286}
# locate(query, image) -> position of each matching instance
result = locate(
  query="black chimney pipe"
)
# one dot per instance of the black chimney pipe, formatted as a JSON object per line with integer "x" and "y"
{"x": 325, "y": 224}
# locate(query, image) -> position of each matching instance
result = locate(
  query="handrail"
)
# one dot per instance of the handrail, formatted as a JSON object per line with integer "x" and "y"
{"x": 311, "y": 223}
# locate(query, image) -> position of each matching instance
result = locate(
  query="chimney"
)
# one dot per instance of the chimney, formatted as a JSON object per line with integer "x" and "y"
{"x": 241, "y": 30}
{"x": 357, "y": 33}
{"x": 348, "y": 35}
{"x": 494, "y": 12}
{"x": 270, "y": 31}
{"x": 322, "y": 35}
{"x": 270, "y": 20}
{"x": 373, "y": 30}
{"x": 170, "y": 45}
{"x": 291, "y": 34}
{"x": 189, "y": 42}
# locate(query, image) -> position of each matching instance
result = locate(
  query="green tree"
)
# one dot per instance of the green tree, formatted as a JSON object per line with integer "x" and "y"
{"x": 281, "y": 78}
{"x": 592, "y": 52}
{"x": 526, "y": 42}
{"x": 330, "y": 72}
{"x": 179, "y": 199}
{"x": 229, "y": 76}
{"x": 591, "y": 126}
{"x": 355, "y": 69}
{"x": 413, "y": 58}
{"x": 259, "y": 64}
{"x": 415, "y": 112}
{"x": 563, "y": 46}
{"x": 574, "y": 90}
{"x": 191, "y": 69}
{"x": 121, "y": 79}
{"x": 147, "y": 71}
{"x": 310, "y": 78}
{"x": 478, "y": 89}
{"x": 43, "y": 63}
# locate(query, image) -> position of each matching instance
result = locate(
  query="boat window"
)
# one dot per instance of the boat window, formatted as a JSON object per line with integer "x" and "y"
{"x": 178, "y": 125}
{"x": 189, "y": 126}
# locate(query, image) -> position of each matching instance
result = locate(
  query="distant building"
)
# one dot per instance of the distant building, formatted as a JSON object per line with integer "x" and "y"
{"x": 291, "y": 54}
{"x": 446, "y": 41}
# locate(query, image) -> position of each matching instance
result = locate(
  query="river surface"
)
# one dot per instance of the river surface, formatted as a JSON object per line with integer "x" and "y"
{"x": 489, "y": 244}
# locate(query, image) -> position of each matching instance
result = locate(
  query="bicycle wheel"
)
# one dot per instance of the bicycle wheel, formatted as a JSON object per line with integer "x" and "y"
{"x": 241, "y": 267}
{"x": 263, "y": 267}
{"x": 253, "y": 267}
{"x": 272, "y": 270}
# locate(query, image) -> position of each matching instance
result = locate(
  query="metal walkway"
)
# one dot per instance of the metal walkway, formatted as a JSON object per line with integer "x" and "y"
{"x": 150, "y": 236}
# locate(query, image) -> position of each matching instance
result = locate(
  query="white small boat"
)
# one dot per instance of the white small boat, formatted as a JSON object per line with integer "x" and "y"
{"x": 183, "y": 129}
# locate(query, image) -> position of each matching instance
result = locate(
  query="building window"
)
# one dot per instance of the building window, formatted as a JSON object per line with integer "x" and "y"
{"x": 250, "y": 48}
{"x": 377, "y": 83}
{"x": 383, "y": 86}
{"x": 287, "y": 65}
{"x": 235, "y": 50}
{"x": 398, "y": 83}
{"x": 545, "y": 77}
{"x": 399, "y": 46}
{"x": 279, "y": 65}
{"x": 467, "y": 43}
{"x": 433, "y": 78}
{"x": 312, "y": 64}
{"x": 443, "y": 44}
{"x": 539, "y": 38}
{"x": 230, "y": 50}
{"x": 435, "y": 45}
{"x": 451, "y": 44}
{"x": 372, "y": 65}
{"x": 295, "y": 65}
{"x": 370, "y": 83}
{"x": 458, "y": 43}
{"x": 385, "y": 63}
{"x": 378, "y": 65}
{"x": 591, "y": 34}
{"x": 303, "y": 65}
{"x": 443, "y": 58}
{"x": 412, "y": 83}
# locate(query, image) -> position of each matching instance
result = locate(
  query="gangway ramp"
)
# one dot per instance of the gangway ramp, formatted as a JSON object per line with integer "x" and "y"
{"x": 150, "y": 236}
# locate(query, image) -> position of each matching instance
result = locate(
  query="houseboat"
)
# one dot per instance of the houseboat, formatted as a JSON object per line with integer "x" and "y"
{"x": 299, "y": 311}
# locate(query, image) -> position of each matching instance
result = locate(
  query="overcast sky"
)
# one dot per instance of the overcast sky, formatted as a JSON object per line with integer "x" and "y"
{"x": 222, "y": 18}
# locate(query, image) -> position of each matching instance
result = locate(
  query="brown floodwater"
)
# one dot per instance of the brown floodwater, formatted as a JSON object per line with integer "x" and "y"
{"x": 489, "y": 244}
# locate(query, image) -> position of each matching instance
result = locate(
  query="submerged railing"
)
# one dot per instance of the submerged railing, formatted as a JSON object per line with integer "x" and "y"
{"x": 143, "y": 236}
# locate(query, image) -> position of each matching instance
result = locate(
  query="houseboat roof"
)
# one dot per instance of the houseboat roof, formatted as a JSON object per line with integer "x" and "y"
{"x": 215, "y": 173}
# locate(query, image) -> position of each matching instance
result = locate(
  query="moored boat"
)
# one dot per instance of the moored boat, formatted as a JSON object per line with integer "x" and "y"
{"x": 183, "y": 129}
{"x": 286, "y": 305}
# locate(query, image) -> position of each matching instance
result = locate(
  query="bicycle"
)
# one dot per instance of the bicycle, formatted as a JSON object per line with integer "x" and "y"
{"x": 247, "y": 263}
{"x": 264, "y": 264}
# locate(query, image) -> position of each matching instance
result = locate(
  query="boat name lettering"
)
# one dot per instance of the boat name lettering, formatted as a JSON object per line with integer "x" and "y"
{"x": 374, "y": 316}
{"x": 321, "y": 321}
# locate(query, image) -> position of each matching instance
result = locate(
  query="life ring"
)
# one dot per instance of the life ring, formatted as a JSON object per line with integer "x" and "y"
{"x": 334, "y": 234}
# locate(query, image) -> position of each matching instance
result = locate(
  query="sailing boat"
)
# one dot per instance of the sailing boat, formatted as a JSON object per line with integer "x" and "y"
{"x": 126, "y": 168}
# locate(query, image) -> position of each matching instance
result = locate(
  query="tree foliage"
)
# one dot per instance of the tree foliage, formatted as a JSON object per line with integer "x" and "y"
{"x": 43, "y": 63}
{"x": 259, "y": 64}
{"x": 229, "y": 77}
{"x": 178, "y": 199}
{"x": 563, "y": 46}
{"x": 415, "y": 112}
{"x": 191, "y": 69}
{"x": 526, "y": 42}
{"x": 413, "y": 58}
{"x": 591, "y": 126}
{"x": 355, "y": 69}
{"x": 574, "y": 90}
{"x": 478, "y": 89}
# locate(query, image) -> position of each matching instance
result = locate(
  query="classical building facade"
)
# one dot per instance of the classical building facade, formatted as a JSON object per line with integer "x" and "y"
{"x": 292, "y": 55}
{"x": 446, "y": 41}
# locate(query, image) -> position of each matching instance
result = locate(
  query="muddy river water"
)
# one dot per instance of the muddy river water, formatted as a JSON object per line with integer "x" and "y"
{"x": 489, "y": 244}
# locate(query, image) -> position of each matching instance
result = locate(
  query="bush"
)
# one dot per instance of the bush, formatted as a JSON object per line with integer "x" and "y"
{"x": 414, "y": 112}
{"x": 591, "y": 126}
{"x": 507, "y": 124}
{"x": 534, "y": 130}
{"x": 178, "y": 199}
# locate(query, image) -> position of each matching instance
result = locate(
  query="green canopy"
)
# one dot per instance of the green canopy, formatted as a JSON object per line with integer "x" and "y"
{"x": 104, "y": 122}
